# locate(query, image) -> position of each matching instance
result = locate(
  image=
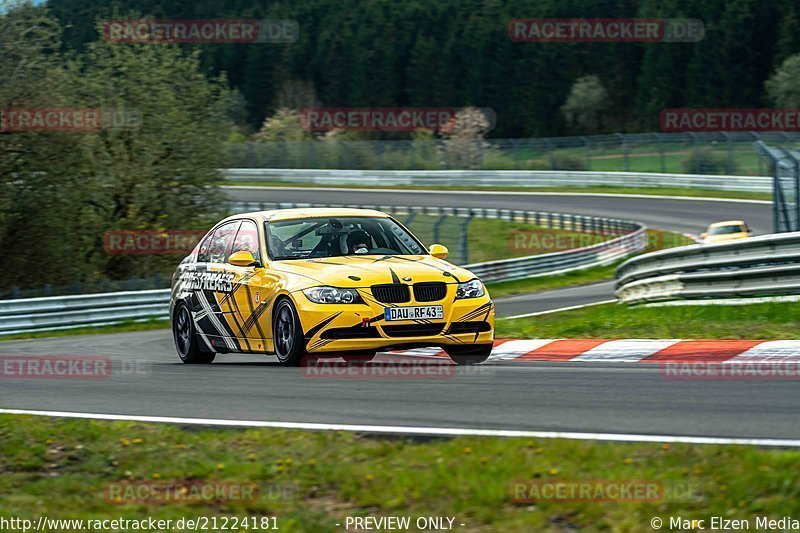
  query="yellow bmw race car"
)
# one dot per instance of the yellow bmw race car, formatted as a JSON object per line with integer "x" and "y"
{"x": 324, "y": 282}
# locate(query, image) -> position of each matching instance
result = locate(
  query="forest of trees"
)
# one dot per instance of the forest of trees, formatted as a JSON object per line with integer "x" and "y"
{"x": 60, "y": 191}
{"x": 456, "y": 53}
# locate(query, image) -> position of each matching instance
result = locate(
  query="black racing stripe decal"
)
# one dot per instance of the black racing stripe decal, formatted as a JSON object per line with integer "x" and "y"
{"x": 395, "y": 277}
{"x": 220, "y": 316}
{"x": 235, "y": 313}
{"x": 421, "y": 262}
{"x": 477, "y": 311}
{"x": 314, "y": 330}
{"x": 255, "y": 313}
{"x": 319, "y": 343}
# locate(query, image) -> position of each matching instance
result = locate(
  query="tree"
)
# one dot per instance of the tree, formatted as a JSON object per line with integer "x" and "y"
{"x": 159, "y": 173}
{"x": 42, "y": 201}
{"x": 783, "y": 87}
{"x": 464, "y": 145}
{"x": 586, "y": 102}
{"x": 284, "y": 125}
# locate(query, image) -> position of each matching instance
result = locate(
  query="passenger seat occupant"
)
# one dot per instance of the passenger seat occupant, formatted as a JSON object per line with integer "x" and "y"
{"x": 358, "y": 241}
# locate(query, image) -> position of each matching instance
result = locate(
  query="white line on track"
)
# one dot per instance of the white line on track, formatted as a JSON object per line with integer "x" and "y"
{"x": 482, "y": 192}
{"x": 570, "y": 308}
{"x": 414, "y": 430}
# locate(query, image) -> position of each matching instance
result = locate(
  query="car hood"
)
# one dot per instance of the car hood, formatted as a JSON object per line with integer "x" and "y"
{"x": 366, "y": 270}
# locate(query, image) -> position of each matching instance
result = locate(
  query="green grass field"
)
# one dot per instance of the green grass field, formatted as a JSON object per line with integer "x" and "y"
{"x": 777, "y": 320}
{"x": 657, "y": 240}
{"x": 310, "y": 481}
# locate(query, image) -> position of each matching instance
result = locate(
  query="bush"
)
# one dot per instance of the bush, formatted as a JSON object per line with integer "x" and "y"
{"x": 568, "y": 161}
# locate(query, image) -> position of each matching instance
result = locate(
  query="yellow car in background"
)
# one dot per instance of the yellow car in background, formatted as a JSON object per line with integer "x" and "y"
{"x": 728, "y": 230}
{"x": 324, "y": 282}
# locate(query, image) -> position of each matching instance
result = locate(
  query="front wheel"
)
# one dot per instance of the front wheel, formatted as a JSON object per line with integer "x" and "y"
{"x": 469, "y": 355}
{"x": 287, "y": 334}
{"x": 185, "y": 336}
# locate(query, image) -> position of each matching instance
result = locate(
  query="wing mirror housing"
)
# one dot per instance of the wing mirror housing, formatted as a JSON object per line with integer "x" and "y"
{"x": 439, "y": 251}
{"x": 243, "y": 258}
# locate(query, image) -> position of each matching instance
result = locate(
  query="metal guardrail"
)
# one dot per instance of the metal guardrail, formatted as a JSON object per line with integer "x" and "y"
{"x": 85, "y": 310}
{"x": 66, "y": 312}
{"x": 768, "y": 265}
{"x": 500, "y": 178}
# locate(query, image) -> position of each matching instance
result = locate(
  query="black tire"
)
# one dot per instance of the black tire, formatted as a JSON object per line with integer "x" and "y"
{"x": 185, "y": 336}
{"x": 287, "y": 335}
{"x": 359, "y": 357}
{"x": 469, "y": 355}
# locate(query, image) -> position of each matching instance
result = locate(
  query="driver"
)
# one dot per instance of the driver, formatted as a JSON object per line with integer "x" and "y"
{"x": 358, "y": 241}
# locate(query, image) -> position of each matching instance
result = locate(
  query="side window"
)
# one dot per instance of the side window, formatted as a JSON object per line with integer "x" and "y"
{"x": 215, "y": 247}
{"x": 247, "y": 239}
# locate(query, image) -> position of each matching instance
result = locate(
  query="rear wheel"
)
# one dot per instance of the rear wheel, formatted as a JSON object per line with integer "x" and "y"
{"x": 185, "y": 336}
{"x": 287, "y": 334}
{"x": 469, "y": 355}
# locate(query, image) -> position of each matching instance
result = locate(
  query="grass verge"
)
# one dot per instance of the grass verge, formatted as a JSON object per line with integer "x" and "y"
{"x": 775, "y": 320}
{"x": 311, "y": 481}
{"x": 656, "y": 191}
{"x": 96, "y": 330}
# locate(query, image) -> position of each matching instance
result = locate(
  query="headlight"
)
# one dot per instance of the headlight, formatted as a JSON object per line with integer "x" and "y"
{"x": 470, "y": 289}
{"x": 332, "y": 295}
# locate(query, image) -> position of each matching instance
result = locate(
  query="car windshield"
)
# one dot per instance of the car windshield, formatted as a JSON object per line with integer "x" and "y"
{"x": 339, "y": 236}
{"x": 726, "y": 230}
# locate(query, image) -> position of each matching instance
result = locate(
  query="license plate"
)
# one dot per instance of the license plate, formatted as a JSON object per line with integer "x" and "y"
{"x": 424, "y": 312}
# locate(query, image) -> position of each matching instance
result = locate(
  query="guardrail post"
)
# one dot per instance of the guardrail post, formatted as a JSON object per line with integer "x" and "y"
{"x": 661, "y": 159}
{"x": 625, "y": 158}
{"x": 436, "y": 226}
{"x": 465, "y": 239}
{"x": 729, "y": 146}
{"x": 695, "y": 151}
{"x": 587, "y": 153}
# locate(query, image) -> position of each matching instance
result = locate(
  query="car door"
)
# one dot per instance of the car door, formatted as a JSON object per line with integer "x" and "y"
{"x": 246, "y": 308}
{"x": 211, "y": 283}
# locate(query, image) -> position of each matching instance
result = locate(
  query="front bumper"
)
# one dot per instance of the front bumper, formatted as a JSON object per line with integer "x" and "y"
{"x": 330, "y": 328}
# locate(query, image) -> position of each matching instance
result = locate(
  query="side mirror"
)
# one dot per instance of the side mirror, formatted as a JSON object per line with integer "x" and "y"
{"x": 703, "y": 235}
{"x": 439, "y": 251}
{"x": 242, "y": 258}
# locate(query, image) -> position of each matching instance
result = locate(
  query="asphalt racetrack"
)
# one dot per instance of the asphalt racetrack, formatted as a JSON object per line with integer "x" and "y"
{"x": 619, "y": 398}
